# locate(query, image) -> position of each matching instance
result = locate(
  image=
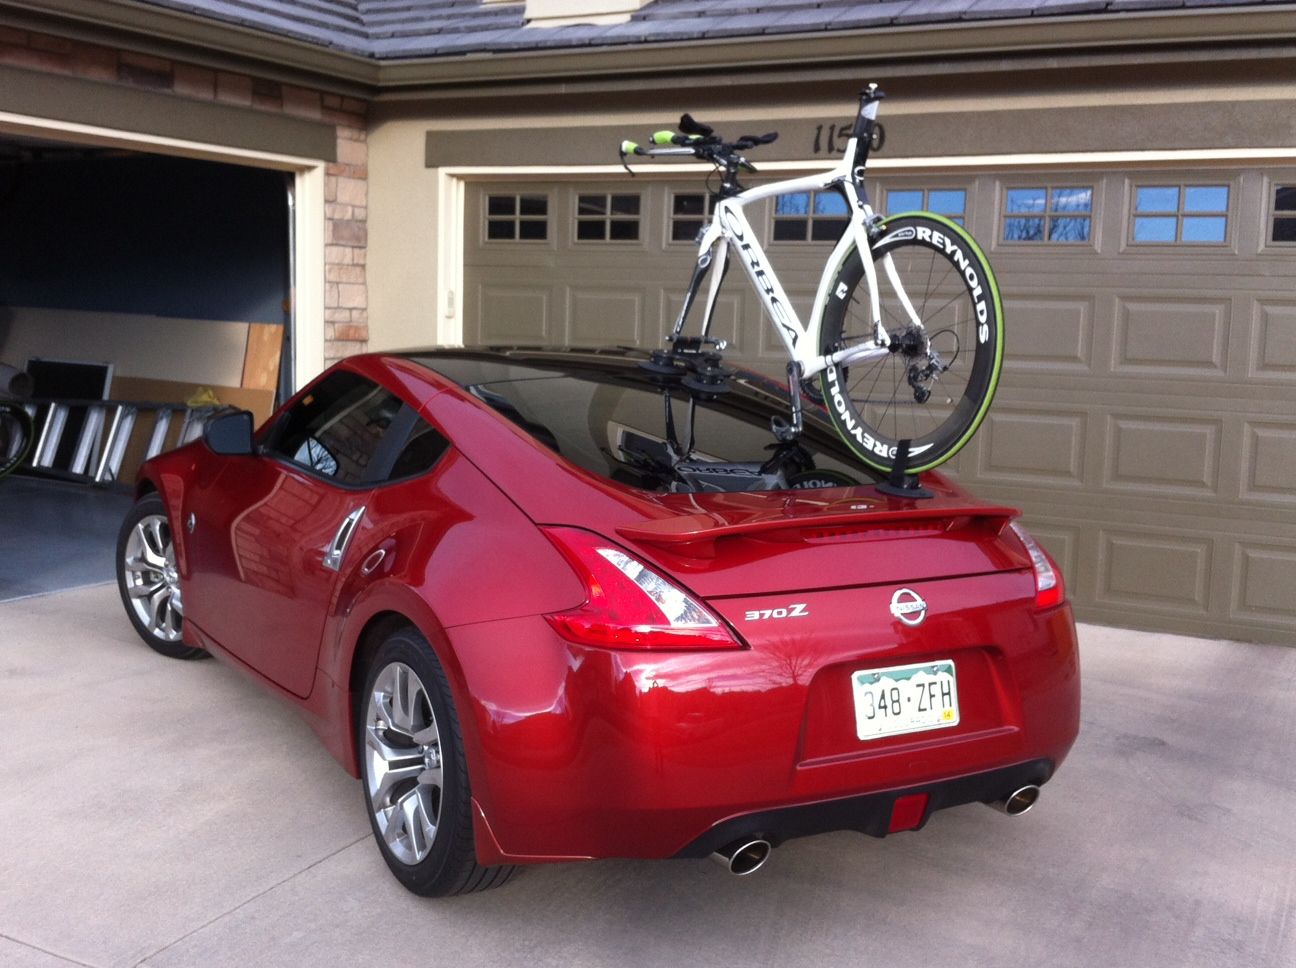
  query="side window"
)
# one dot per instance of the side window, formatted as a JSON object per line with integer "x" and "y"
{"x": 1047, "y": 214}
{"x": 810, "y": 217}
{"x": 950, "y": 202}
{"x": 335, "y": 429}
{"x": 1282, "y": 219}
{"x": 1173, "y": 214}
{"x": 422, "y": 448}
{"x": 517, "y": 218}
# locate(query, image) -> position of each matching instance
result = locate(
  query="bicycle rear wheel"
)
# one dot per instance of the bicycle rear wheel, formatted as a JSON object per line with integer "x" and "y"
{"x": 952, "y": 289}
{"x": 16, "y": 436}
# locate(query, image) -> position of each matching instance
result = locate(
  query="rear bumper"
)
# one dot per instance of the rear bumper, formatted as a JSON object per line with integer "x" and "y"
{"x": 869, "y": 814}
{"x": 588, "y": 753}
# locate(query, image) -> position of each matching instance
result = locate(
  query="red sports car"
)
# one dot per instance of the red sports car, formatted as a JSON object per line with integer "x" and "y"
{"x": 555, "y": 605}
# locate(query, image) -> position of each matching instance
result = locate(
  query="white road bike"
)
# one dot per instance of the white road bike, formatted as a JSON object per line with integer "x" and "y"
{"x": 908, "y": 372}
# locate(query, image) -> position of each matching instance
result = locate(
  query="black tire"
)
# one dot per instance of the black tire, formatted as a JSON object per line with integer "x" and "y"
{"x": 147, "y": 580}
{"x": 16, "y": 436}
{"x": 954, "y": 293}
{"x": 443, "y": 862}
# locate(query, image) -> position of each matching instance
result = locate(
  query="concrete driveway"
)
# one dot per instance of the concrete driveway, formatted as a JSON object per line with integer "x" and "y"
{"x": 163, "y": 813}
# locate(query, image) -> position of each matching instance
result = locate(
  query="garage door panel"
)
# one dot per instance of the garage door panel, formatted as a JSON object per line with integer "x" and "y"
{"x": 607, "y": 317}
{"x": 1185, "y": 336}
{"x": 1033, "y": 446}
{"x": 1269, "y": 464}
{"x": 1274, "y": 340}
{"x": 1264, "y": 580}
{"x": 1163, "y": 454}
{"x": 514, "y": 314}
{"x": 1159, "y": 571}
{"x": 1050, "y": 332}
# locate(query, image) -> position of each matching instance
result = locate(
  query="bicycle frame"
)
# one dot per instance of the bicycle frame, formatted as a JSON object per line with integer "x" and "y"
{"x": 730, "y": 229}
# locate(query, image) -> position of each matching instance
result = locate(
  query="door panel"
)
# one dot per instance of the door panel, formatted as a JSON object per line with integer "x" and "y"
{"x": 258, "y": 584}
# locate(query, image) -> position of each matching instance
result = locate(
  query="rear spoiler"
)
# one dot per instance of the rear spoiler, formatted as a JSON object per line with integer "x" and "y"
{"x": 695, "y": 535}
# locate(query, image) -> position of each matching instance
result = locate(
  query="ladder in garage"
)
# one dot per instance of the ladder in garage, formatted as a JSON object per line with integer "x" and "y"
{"x": 106, "y": 434}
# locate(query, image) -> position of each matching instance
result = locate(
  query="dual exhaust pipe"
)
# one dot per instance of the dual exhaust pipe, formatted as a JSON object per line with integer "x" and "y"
{"x": 748, "y": 855}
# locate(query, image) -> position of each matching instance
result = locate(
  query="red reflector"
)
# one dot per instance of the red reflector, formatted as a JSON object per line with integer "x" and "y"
{"x": 908, "y": 812}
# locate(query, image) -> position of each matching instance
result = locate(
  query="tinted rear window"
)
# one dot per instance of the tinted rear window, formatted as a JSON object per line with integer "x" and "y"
{"x": 613, "y": 422}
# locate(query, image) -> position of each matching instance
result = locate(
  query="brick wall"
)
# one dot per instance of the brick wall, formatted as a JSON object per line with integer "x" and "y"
{"x": 346, "y": 298}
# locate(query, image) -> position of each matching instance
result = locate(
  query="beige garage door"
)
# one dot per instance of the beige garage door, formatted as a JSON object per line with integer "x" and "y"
{"x": 1146, "y": 421}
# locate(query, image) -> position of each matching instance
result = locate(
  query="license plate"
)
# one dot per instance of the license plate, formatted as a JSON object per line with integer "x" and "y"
{"x": 905, "y": 699}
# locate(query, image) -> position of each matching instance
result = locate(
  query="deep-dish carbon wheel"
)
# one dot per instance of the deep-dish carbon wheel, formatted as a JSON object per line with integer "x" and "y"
{"x": 413, "y": 773}
{"x": 936, "y": 384}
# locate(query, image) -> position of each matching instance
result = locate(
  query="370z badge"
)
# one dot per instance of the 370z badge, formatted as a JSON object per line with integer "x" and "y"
{"x": 796, "y": 610}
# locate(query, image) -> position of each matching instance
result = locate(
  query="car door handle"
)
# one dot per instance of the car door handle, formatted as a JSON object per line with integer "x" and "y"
{"x": 337, "y": 548}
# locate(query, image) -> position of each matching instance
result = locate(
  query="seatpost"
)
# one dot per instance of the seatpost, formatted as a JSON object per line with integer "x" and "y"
{"x": 865, "y": 122}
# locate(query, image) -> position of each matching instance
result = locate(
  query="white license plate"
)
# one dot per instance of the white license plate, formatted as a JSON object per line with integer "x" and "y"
{"x": 905, "y": 699}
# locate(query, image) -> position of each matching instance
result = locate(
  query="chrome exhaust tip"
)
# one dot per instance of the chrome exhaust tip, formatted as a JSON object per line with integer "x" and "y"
{"x": 1019, "y": 801}
{"x": 743, "y": 857}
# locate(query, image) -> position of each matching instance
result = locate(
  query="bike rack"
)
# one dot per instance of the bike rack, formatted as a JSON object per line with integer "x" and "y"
{"x": 106, "y": 434}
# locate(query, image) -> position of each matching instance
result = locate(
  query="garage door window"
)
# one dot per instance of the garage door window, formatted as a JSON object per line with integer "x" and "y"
{"x": 689, "y": 212}
{"x": 1047, "y": 214}
{"x": 810, "y": 217}
{"x": 607, "y": 218}
{"x": 517, "y": 218}
{"x": 1283, "y": 228}
{"x": 1188, "y": 214}
{"x": 950, "y": 202}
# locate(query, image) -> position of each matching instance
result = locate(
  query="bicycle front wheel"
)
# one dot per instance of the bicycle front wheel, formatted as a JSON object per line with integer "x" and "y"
{"x": 936, "y": 384}
{"x": 15, "y": 436}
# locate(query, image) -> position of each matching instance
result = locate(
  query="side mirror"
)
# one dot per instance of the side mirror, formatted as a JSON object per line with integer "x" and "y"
{"x": 230, "y": 434}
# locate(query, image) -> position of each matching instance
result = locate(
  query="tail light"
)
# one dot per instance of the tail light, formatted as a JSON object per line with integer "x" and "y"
{"x": 1048, "y": 580}
{"x": 627, "y": 604}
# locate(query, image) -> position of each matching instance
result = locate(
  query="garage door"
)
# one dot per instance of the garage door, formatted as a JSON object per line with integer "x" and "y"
{"x": 1146, "y": 422}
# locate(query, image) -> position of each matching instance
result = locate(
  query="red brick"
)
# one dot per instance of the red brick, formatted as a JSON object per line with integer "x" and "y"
{"x": 350, "y": 332}
{"x": 331, "y": 297}
{"x": 55, "y": 45}
{"x": 336, "y": 211}
{"x": 39, "y": 59}
{"x": 352, "y": 191}
{"x": 141, "y": 76}
{"x": 298, "y": 100}
{"x": 352, "y": 296}
{"x": 340, "y": 232}
{"x": 93, "y": 61}
{"x": 360, "y": 317}
{"x": 337, "y": 315}
{"x": 342, "y": 117}
{"x": 233, "y": 88}
{"x": 147, "y": 62}
{"x": 354, "y": 274}
{"x": 330, "y": 331}
{"x": 353, "y": 153}
{"x": 191, "y": 81}
{"x": 338, "y": 255}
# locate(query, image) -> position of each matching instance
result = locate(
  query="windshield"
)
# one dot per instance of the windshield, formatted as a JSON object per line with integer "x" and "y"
{"x": 614, "y": 419}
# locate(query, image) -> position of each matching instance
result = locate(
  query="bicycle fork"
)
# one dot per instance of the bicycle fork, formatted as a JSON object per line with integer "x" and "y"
{"x": 718, "y": 252}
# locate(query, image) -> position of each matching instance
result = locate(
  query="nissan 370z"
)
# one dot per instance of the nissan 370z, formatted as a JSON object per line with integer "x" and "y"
{"x": 551, "y": 606}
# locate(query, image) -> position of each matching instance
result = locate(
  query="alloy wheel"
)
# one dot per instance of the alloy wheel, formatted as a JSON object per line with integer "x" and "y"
{"x": 403, "y": 757}
{"x": 151, "y": 579}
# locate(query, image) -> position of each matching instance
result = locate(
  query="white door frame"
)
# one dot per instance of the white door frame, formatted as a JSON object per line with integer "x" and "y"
{"x": 308, "y": 217}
